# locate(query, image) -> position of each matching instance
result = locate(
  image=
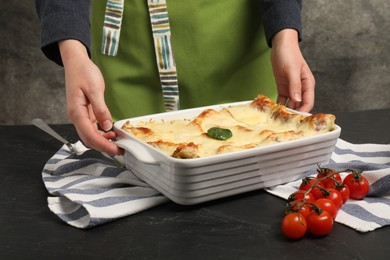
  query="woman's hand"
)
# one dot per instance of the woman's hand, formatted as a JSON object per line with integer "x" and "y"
{"x": 85, "y": 98}
{"x": 293, "y": 76}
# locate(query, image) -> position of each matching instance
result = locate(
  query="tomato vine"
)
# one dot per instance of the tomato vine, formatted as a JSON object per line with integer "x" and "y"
{"x": 314, "y": 206}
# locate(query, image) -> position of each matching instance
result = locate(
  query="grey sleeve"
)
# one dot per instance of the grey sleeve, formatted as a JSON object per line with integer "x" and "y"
{"x": 60, "y": 20}
{"x": 279, "y": 15}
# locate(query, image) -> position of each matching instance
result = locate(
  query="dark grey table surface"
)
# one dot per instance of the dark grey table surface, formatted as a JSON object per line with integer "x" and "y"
{"x": 246, "y": 226}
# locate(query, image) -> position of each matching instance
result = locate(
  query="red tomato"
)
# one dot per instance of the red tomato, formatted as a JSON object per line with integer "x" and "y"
{"x": 304, "y": 209}
{"x": 294, "y": 226}
{"x": 300, "y": 195}
{"x": 311, "y": 183}
{"x": 344, "y": 191}
{"x": 328, "y": 206}
{"x": 358, "y": 185}
{"x": 307, "y": 183}
{"x": 333, "y": 185}
{"x": 319, "y": 223}
{"x": 335, "y": 196}
{"x": 342, "y": 188}
{"x": 330, "y": 174}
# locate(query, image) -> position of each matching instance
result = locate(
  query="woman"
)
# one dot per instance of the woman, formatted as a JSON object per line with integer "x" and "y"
{"x": 217, "y": 51}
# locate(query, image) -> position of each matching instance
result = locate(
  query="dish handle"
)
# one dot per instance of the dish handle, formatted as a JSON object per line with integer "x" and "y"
{"x": 137, "y": 150}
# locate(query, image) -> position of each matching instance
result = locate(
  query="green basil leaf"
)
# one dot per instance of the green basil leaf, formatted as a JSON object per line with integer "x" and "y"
{"x": 219, "y": 133}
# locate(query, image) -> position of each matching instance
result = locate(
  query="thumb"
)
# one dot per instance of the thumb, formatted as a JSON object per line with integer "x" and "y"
{"x": 101, "y": 112}
{"x": 294, "y": 85}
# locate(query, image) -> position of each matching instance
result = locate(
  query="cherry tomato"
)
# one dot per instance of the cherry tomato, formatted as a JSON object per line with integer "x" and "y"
{"x": 335, "y": 196}
{"x": 319, "y": 223}
{"x": 328, "y": 206}
{"x": 341, "y": 187}
{"x": 332, "y": 185}
{"x": 331, "y": 175}
{"x": 294, "y": 226}
{"x": 310, "y": 183}
{"x": 344, "y": 191}
{"x": 358, "y": 185}
{"x": 304, "y": 209}
{"x": 300, "y": 195}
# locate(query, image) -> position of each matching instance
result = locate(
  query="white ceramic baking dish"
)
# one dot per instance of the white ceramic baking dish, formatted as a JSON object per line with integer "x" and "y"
{"x": 192, "y": 181}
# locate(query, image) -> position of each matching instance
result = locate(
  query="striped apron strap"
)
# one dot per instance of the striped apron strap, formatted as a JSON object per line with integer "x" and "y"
{"x": 158, "y": 13}
{"x": 112, "y": 27}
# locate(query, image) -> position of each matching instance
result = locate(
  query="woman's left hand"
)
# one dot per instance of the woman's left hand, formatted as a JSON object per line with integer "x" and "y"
{"x": 293, "y": 76}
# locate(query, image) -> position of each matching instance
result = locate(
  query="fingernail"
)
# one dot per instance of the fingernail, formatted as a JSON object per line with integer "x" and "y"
{"x": 107, "y": 125}
{"x": 297, "y": 96}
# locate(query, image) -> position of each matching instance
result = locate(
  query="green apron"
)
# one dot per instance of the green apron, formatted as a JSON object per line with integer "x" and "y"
{"x": 219, "y": 48}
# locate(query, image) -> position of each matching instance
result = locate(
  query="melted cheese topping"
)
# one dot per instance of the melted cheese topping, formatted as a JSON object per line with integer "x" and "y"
{"x": 255, "y": 124}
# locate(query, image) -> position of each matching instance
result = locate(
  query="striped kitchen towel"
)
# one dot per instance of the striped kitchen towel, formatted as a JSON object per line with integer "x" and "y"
{"x": 374, "y": 160}
{"x": 90, "y": 191}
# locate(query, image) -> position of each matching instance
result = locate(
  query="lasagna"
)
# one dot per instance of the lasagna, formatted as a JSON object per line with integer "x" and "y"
{"x": 257, "y": 123}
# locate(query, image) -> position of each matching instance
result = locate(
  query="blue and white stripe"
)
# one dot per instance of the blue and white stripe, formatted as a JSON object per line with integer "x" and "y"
{"x": 374, "y": 160}
{"x": 90, "y": 192}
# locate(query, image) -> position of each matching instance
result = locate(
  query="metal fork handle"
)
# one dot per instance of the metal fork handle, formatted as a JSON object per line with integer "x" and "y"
{"x": 45, "y": 127}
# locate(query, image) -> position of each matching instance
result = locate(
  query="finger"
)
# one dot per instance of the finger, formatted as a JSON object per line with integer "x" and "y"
{"x": 100, "y": 110}
{"x": 109, "y": 135}
{"x": 308, "y": 102}
{"x": 92, "y": 116}
{"x": 308, "y": 91}
{"x": 86, "y": 127}
{"x": 282, "y": 100}
{"x": 92, "y": 138}
{"x": 291, "y": 104}
{"x": 294, "y": 85}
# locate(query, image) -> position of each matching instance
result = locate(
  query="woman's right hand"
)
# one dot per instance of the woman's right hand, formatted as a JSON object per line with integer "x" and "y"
{"x": 85, "y": 98}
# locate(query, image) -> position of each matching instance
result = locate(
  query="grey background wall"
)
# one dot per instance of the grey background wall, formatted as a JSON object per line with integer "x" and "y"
{"x": 346, "y": 43}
